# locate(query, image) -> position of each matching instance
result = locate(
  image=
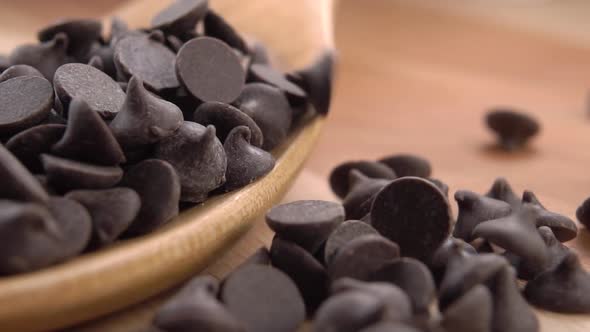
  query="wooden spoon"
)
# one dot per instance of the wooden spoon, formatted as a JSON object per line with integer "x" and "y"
{"x": 98, "y": 283}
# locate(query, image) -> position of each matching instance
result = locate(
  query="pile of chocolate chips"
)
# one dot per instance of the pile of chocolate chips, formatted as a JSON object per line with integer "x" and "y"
{"x": 392, "y": 257}
{"x": 101, "y": 138}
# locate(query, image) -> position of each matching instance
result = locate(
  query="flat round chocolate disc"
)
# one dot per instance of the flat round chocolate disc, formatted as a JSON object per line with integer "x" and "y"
{"x": 24, "y": 102}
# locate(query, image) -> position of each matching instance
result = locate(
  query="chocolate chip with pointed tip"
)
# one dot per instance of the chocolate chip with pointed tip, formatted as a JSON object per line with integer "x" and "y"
{"x": 215, "y": 26}
{"x": 348, "y": 312}
{"x": 475, "y": 209}
{"x": 112, "y": 211}
{"x": 74, "y": 223}
{"x": 501, "y": 190}
{"x": 362, "y": 190}
{"x": 65, "y": 175}
{"x": 181, "y": 16}
{"x": 158, "y": 186}
{"x": 307, "y": 223}
{"x": 408, "y": 165}
{"x": 210, "y": 70}
{"x": 387, "y": 326}
{"x": 17, "y": 182}
{"x": 245, "y": 162}
{"x": 81, "y": 34}
{"x": 144, "y": 118}
{"x": 88, "y": 138}
{"x": 513, "y": 128}
{"x": 45, "y": 57}
{"x": 148, "y": 59}
{"x": 279, "y": 306}
{"x": 198, "y": 157}
{"x": 362, "y": 257}
{"x": 451, "y": 249}
{"x": 343, "y": 234}
{"x": 98, "y": 90}
{"x": 24, "y": 102}
{"x": 316, "y": 80}
{"x": 269, "y": 75}
{"x": 563, "y": 227}
{"x": 19, "y": 70}
{"x": 269, "y": 108}
{"x": 473, "y": 312}
{"x": 29, "y": 144}
{"x": 340, "y": 176}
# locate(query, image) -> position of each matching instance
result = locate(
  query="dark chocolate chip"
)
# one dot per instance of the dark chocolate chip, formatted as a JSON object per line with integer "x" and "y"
{"x": 475, "y": 209}
{"x": 583, "y": 213}
{"x": 112, "y": 211}
{"x": 45, "y": 57}
{"x": 148, "y": 59}
{"x": 473, "y": 312}
{"x": 82, "y": 33}
{"x": 451, "y": 249}
{"x": 362, "y": 257}
{"x": 269, "y": 75}
{"x": 343, "y": 234}
{"x": 513, "y": 128}
{"x": 96, "y": 62}
{"x": 158, "y": 186}
{"x": 17, "y": 182}
{"x": 215, "y": 26}
{"x": 88, "y": 138}
{"x": 225, "y": 118}
{"x": 413, "y": 213}
{"x": 210, "y": 70}
{"x": 340, "y": 175}
{"x": 408, "y": 165}
{"x": 181, "y": 16}
{"x": 501, "y": 190}
{"x": 24, "y": 102}
{"x": 348, "y": 312}
{"x": 79, "y": 81}
{"x": 443, "y": 187}
{"x": 29, "y": 144}
{"x": 263, "y": 299}
{"x": 65, "y": 175}
{"x": 144, "y": 118}
{"x": 245, "y": 162}
{"x": 19, "y": 70}
{"x": 316, "y": 80}
{"x": 387, "y": 326}
{"x": 74, "y": 223}
{"x": 563, "y": 227}
{"x": 106, "y": 54}
{"x": 362, "y": 190}
{"x": 198, "y": 157}
{"x": 307, "y": 223}
{"x": 308, "y": 274}
{"x": 269, "y": 108}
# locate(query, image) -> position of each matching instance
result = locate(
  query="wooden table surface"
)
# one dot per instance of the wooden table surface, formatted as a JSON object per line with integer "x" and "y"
{"x": 419, "y": 79}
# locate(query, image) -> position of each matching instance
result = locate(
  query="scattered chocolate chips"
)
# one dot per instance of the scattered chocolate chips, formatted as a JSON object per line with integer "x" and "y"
{"x": 563, "y": 227}
{"x": 340, "y": 175}
{"x": 348, "y": 312}
{"x": 45, "y": 57}
{"x": 181, "y": 16}
{"x": 215, "y": 26}
{"x": 472, "y": 312}
{"x": 25, "y": 101}
{"x": 29, "y": 144}
{"x": 17, "y": 183}
{"x": 82, "y": 33}
{"x": 475, "y": 209}
{"x": 65, "y": 174}
{"x": 408, "y": 165}
{"x": 19, "y": 70}
{"x": 501, "y": 190}
{"x": 514, "y": 129}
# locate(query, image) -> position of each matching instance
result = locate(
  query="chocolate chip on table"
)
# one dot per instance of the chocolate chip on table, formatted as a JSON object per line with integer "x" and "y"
{"x": 308, "y": 274}
{"x": 45, "y": 57}
{"x": 196, "y": 308}
{"x": 158, "y": 186}
{"x": 245, "y": 162}
{"x": 270, "y": 109}
{"x": 144, "y": 118}
{"x": 29, "y": 144}
{"x": 81, "y": 34}
{"x": 198, "y": 157}
{"x": 475, "y": 209}
{"x": 562, "y": 289}
{"x": 306, "y": 223}
{"x": 65, "y": 174}
{"x": 263, "y": 299}
{"x": 513, "y": 128}
{"x": 451, "y": 249}
{"x": 387, "y": 326}
{"x": 215, "y": 26}
{"x": 583, "y": 213}
{"x": 408, "y": 165}
{"x": 343, "y": 234}
{"x": 17, "y": 182}
{"x": 340, "y": 175}
{"x": 24, "y": 102}
{"x": 79, "y": 81}
{"x": 225, "y": 117}
{"x": 472, "y": 312}
{"x": 269, "y": 75}
{"x": 413, "y": 213}
{"x": 19, "y": 70}
{"x": 563, "y": 227}
{"x": 181, "y": 16}
{"x": 362, "y": 257}
{"x": 348, "y": 312}
{"x": 112, "y": 211}
{"x": 362, "y": 190}
{"x": 74, "y": 224}
{"x": 316, "y": 80}
{"x": 501, "y": 190}
{"x": 210, "y": 70}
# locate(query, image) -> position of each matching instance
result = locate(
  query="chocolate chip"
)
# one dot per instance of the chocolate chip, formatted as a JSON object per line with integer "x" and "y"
{"x": 269, "y": 108}
{"x": 340, "y": 178}
{"x": 563, "y": 227}
{"x": 413, "y": 213}
{"x": 316, "y": 80}
{"x": 348, "y": 312}
{"x": 263, "y": 299}
{"x": 24, "y": 102}
{"x": 387, "y": 326}
{"x": 408, "y": 165}
{"x": 501, "y": 190}
{"x": 513, "y": 128}
{"x": 17, "y": 183}
{"x": 443, "y": 187}
{"x": 74, "y": 223}
{"x": 225, "y": 118}
{"x": 19, "y": 70}
{"x": 343, "y": 234}
{"x": 181, "y": 16}
{"x": 29, "y": 144}
{"x": 148, "y": 59}
{"x": 307, "y": 223}
{"x": 451, "y": 249}
{"x": 96, "y": 62}
{"x": 210, "y": 70}
{"x": 112, "y": 211}
{"x": 81, "y": 34}
{"x": 45, "y": 57}
{"x": 475, "y": 209}
{"x": 215, "y": 26}
{"x": 267, "y": 74}
{"x": 245, "y": 162}
{"x": 307, "y": 273}
{"x": 196, "y": 308}
{"x": 259, "y": 54}
{"x": 106, "y": 55}
{"x": 88, "y": 138}
{"x": 144, "y": 118}
{"x": 362, "y": 257}
{"x": 583, "y": 213}
{"x": 198, "y": 157}
{"x": 473, "y": 312}
{"x": 362, "y": 190}
{"x": 158, "y": 186}
{"x": 562, "y": 289}
{"x": 84, "y": 82}
{"x": 65, "y": 175}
